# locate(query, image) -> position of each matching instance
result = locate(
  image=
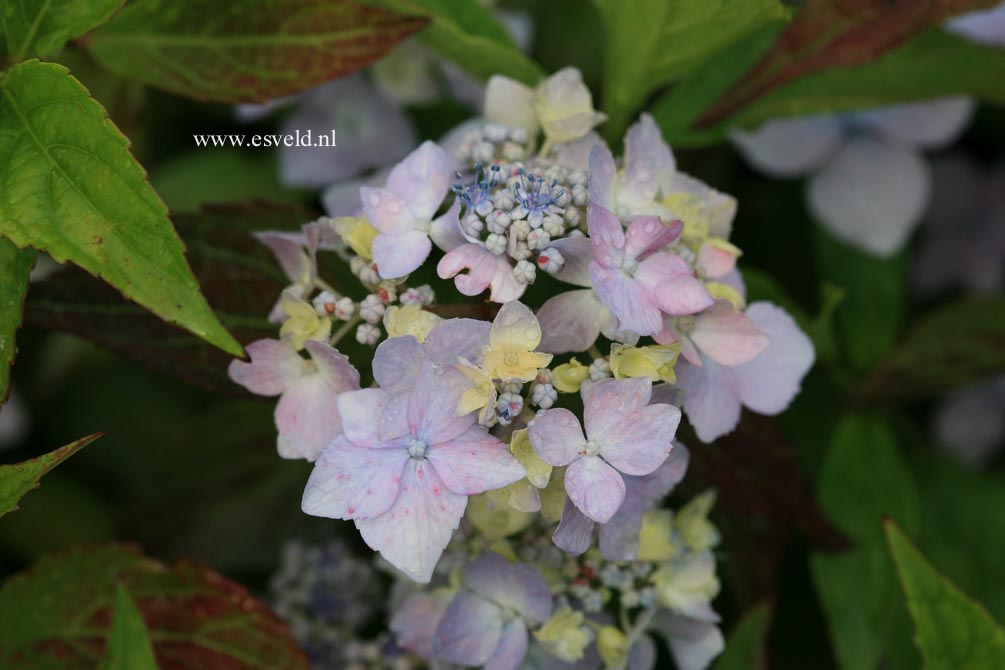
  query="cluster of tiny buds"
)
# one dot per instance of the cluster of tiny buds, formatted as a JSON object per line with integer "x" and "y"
{"x": 372, "y": 308}
{"x": 493, "y": 142}
{"x": 600, "y": 368}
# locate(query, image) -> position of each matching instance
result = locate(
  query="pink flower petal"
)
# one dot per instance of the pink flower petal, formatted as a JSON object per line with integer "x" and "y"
{"x": 289, "y": 251}
{"x": 333, "y": 366}
{"x": 595, "y": 488}
{"x": 422, "y": 179}
{"x": 415, "y": 622}
{"x": 577, "y": 252}
{"x": 727, "y": 336}
{"x": 470, "y": 257}
{"x": 396, "y": 363}
{"x": 273, "y": 368}
{"x": 386, "y": 211}
{"x": 519, "y": 587}
{"x": 359, "y": 412}
{"x": 398, "y": 255}
{"x": 607, "y": 236}
{"x": 642, "y": 441}
{"x": 672, "y": 285}
{"x": 413, "y": 533}
{"x": 609, "y": 401}
{"x": 648, "y": 233}
{"x": 432, "y": 404}
{"x": 445, "y": 231}
{"x": 571, "y": 321}
{"x": 769, "y": 382}
{"x": 351, "y": 482}
{"x": 307, "y": 418}
{"x": 711, "y": 400}
{"x": 626, "y": 299}
{"x": 556, "y": 436}
{"x": 574, "y": 534}
{"x": 603, "y": 174}
{"x": 648, "y": 162}
{"x": 456, "y": 338}
{"x": 504, "y": 285}
{"x": 475, "y": 462}
{"x": 512, "y": 647}
{"x": 714, "y": 261}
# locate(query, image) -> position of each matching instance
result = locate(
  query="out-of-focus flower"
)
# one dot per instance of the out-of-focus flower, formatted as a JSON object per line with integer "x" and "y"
{"x": 962, "y": 241}
{"x": 565, "y": 635}
{"x": 302, "y": 323}
{"x": 765, "y": 384}
{"x": 985, "y": 27}
{"x": 693, "y": 643}
{"x": 486, "y": 624}
{"x": 625, "y": 435}
{"x": 687, "y": 585}
{"x": 306, "y": 415}
{"x": 869, "y": 183}
{"x": 14, "y": 421}
{"x": 405, "y": 480}
{"x": 969, "y": 422}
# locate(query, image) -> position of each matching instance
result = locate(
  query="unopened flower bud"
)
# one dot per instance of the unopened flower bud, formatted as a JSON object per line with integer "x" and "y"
{"x": 544, "y": 396}
{"x": 551, "y": 260}
{"x": 538, "y": 239}
{"x": 600, "y": 369}
{"x": 367, "y": 334}
{"x": 525, "y": 272}
{"x": 372, "y": 308}
{"x": 324, "y": 304}
{"x": 495, "y": 244}
{"x": 508, "y": 407}
{"x": 344, "y": 308}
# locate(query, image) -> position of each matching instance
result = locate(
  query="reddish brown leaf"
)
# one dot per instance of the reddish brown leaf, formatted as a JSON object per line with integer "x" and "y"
{"x": 246, "y": 50}
{"x": 57, "y": 614}
{"x": 834, "y": 33}
{"x": 239, "y": 277}
{"x": 763, "y": 499}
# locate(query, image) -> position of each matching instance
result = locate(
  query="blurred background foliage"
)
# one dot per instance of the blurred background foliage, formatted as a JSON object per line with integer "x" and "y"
{"x": 190, "y": 469}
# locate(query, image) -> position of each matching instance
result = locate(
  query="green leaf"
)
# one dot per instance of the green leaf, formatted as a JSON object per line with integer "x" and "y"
{"x": 82, "y": 197}
{"x": 870, "y": 316}
{"x": 834, "y": 33}
{"x": 956, "y": 344}
{"x": 676, "y": 111}
{"x": 246, "y": 50}
{"x": 466, "y": 33}
{"x": 746, "y": 646}
{"x": 953, "y": 632}
{"x": 42, "y": 27}
{"x": 56, "y": 615}
{"x": 932, "y": 65}
{"x": 239, "y": 274}
{"x": 128, "y": 644}
{"x": 15, "y": 267}
{"x": 651, "y": 43}
{"x": 19, "y": 478}
{"x": 862, "y": 479}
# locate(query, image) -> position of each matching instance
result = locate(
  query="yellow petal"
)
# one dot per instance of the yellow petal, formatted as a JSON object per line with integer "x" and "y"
{"x": 538, "y": 471}
{"x": 357, "y": 233}
{"x": 721, "y": 291}
{"x": 568, "y": 377}
{"x": 409, "y": 320}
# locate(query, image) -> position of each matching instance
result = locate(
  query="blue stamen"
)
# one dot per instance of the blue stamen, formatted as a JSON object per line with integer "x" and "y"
{"x": 479, "y": 190}
{"x": 535, "y": 194}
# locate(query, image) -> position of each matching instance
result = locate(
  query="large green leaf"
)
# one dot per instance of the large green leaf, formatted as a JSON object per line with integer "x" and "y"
{"x": 862, "y": 479}
{"x": 871, "y": 313}
{"x": 958, "y": 343}
{"x": 246, "y": 50}
{"x": 19, "y": 478}
{"x": 15, "y": 266}
{"x": 239, "y": 274}
{"x": 57, "y": 614}
{"x": 825, "y": 34}
{"x": 953, "y": 632}
{"x": 41, "y": 27}
{"x": 467, "y": 33}
{"x": 651, "y": 43}
{"x": 80, "y": 195}
{"x": 128, "y": 644}
{"x": 746, "y": 646}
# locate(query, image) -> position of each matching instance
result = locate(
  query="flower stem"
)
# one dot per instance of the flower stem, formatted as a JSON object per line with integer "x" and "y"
{"x": 343, "y": 330}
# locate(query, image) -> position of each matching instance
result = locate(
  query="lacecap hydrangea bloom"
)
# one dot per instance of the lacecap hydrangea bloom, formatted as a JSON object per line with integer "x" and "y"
{"x": 509, "y": 457}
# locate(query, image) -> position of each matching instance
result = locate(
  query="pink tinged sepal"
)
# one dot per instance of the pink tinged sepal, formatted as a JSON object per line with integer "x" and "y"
{"x": 512, "y": 647}
{"x": 727, "y": 336}
{"x": 671, "y": 285}
{"x": 715, "y": 261}
{"x": 422, "y": 179}
{"x": 603, "y": 174}
{"x": 289, "y": 249}
{"x": 627, "y": 300}
{"x": 413, "y": 533}
{"x": 398, "y": 255}
{"x": 353, "y": 482}
{"x": 595, "y": 488}
{"x": 556, "y": 436}
{"x": 649, "y": 163}
{"x": 475, "y": 462}
{"x": 519, "y": 587}
{"x": 693, "y": 644}
{"x": 273, "y": 368}
{"x": 647, "y": 234}
{"x": 574, "y": 534}
{"x": 572, "y": 321}
{"x": 485, "y": 270}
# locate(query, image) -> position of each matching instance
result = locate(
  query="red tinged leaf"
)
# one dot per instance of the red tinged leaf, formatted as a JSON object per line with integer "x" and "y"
{"x": 57, "y": 614}
{"x": 236, "y": 273}
{"x": 246, "y": 50}
{"x": 763, "y": 500}
{"x": 827, "y": 34}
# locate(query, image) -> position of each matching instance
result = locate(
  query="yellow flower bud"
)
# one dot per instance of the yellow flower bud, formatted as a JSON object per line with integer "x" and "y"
{"x": 564, "y": 635}
{"x": 538, "y": 471}
{"x": 655, "y": 361}
{"x": 613, "y": 647}
{"x": 302, "y": 322}
{"x": 568, "y": 377}
{"x": 357, "y": 233}
{"x": 656, "y": 536}
{"x": 692, "y": 522}
{"x": 409, "y": 320}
